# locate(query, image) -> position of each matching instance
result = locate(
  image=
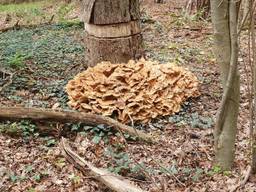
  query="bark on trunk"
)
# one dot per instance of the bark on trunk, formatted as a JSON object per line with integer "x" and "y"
{"x": 112, "y": 30}
{"x": 252, "y": 45}
{"x": 224, "y": 18}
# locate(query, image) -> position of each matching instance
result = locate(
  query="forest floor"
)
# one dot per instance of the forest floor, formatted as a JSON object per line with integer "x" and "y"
{"x": 45, "y": 56}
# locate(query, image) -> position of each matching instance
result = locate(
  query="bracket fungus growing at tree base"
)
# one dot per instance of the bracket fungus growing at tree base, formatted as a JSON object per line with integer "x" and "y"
{"x": 138, "y": 91}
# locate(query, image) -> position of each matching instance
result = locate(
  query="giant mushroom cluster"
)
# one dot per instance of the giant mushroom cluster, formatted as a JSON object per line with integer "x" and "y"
{"x": 138, "y": 91}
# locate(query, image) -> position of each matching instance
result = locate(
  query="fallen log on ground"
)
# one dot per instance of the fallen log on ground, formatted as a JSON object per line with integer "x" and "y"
{"x": 114, "y": 182}
{"x": 49, "y": 115}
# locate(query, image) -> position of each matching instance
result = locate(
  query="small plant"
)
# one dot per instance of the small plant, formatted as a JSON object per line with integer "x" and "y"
{"x": 184, "y": 18}
{"x": 27, "y": 128}
{"x": 194, "y": 120}
{"x": 29, "y": 169}
{"x": 138, "y": 167}
{"x": 75, "y": 24}
{"x": 198, "y": 174}
{"x": 215, "y": 170}
{"x": 227, "y": 173}
{"x": 100, "y": 133}
{"x": 37, "y": 177}
{"x": 75, "y": 178}
{"x": 76, "y": 127}
{"x": 17, "y": 60}
{"x": 36, "y": 12}
{"x": 146, "y": 18}
{"x": 64, "y": 10}
{"x": 201, "y": 121}
{"x": 50, "y": 142}
{"x": 8, "y": 129}
{"x": 16, "y": 178}
{"x": 173, "y": 169}
{"x": 158, "y": 26}
{"x": 198, "y": 15}
{"x": 60, "y": 163}
{"x": 121, "y": 161}
{"x": 24, "y": 128}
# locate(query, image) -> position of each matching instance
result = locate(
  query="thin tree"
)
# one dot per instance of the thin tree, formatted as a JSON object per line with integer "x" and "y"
{"x": 252, "y": 99}
{"x": 202, "y": 6}
{"x": 224, "y": 19}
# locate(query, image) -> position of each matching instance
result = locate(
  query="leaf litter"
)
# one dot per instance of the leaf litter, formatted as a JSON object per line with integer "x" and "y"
{"x": 182, "y": 158}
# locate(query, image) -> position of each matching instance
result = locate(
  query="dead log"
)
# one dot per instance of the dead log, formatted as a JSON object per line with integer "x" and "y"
{"x": 114, "y": 182}
{"x": 40, "y": 114}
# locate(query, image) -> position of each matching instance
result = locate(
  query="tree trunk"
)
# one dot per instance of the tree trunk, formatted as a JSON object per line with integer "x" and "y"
{"x": 252, "y": 62}
{"x": 224, "y": 18}
{"x": 112, "y": 30}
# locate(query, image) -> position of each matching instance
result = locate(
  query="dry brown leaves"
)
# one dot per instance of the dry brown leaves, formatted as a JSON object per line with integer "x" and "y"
{"x": 140, "y": 90}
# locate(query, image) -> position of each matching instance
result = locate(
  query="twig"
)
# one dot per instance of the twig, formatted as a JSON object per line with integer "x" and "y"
{"x": 8, "y": 83}
{"x": 246, "y": 178}
{"x": 51, "y": 19}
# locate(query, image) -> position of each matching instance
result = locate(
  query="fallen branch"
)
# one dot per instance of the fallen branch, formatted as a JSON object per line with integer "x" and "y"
{"x": 244, "y": 181}
{"x": 114, "y": 182}
{"x": 10, "y": 78}
{"x": 40, "y": 114}
{"x": 15, "y": 26}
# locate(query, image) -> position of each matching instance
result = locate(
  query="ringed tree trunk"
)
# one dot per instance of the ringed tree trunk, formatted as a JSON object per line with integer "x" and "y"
{"x": 224, "y": 18}
{"x": 112, "y": 30}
